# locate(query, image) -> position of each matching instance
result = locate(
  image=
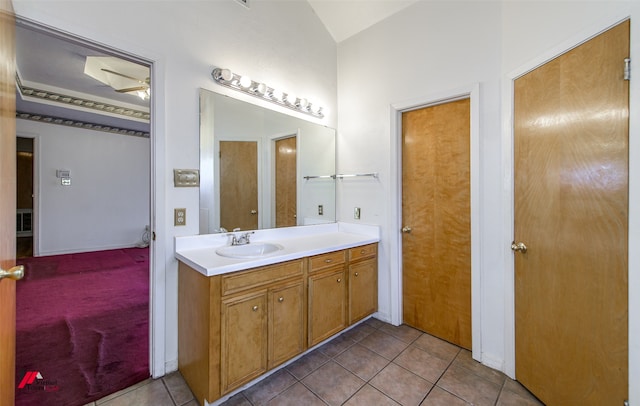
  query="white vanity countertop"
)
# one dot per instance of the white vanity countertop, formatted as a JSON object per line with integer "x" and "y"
{"x": 199, "y": 252}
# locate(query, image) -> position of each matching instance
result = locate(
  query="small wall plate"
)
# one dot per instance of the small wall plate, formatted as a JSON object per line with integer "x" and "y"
{"x": 186, "y": 177}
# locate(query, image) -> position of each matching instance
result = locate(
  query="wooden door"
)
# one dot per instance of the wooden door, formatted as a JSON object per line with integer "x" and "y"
{"x": 327, "y": 296}
{"x": 436, "y": 214}
{"x": 286, "y": 322}
{"x": 571, "y": 212}
{"x": 7, "y": 202}
{"x": 239, "y": 185}
{"x": 244, "y": 339}
{"x": 286, "y": 178}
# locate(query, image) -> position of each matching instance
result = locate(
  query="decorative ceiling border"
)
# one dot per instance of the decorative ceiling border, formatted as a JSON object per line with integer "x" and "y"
{"x": 80, "y": 124}
{"x": 81, "y": 102}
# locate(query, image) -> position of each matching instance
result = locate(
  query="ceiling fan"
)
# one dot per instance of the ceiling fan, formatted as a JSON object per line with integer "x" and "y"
{"x": 143, "y": 89}
{"x": 121, "y": 75}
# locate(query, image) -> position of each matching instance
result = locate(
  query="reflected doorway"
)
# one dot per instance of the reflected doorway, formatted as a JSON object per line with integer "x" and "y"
{"x": 286, "y": 175}
{"x": 24, "y": 195}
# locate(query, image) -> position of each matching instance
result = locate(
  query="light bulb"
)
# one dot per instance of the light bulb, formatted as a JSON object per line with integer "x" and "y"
{"x": 303, "y": 103}
{"x": 226, "y": 75}
{"x": 261, "y": 89}
{"x": 245, "y": 82}
{"x": 291, "y": 99}
{"x": 276, "y": 95}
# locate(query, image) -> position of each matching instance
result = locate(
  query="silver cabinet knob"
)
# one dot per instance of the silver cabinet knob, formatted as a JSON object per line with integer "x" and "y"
{"x": 281, "y": 299}
{"x": 255, "y": 308}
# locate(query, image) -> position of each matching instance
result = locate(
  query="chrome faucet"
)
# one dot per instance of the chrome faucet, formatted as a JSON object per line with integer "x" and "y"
{"x": 243, "y": 239}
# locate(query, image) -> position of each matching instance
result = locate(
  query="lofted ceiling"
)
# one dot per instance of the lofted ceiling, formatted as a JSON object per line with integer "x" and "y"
{"x": 52, "y": 86}
{"x": 345, "y": 18}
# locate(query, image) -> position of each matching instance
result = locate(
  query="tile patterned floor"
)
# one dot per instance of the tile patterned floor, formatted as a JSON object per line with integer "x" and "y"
{"x": 372, "y": 364}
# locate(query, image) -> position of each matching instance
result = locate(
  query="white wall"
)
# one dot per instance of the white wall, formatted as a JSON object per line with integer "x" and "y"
{"x": 107, "y": 204}
{"x": 432, "y": 48}
{"x": 279, "y": 42}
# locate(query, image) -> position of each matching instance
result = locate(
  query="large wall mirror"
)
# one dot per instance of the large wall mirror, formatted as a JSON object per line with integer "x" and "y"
{"x": 262, "y": 169}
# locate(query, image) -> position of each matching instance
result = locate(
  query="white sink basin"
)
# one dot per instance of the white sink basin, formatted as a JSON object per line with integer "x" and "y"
{"x": 252, "y": 250}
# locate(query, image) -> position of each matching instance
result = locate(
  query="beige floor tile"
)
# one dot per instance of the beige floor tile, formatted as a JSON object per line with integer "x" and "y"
{"x": 464, "y": 360}
{"x": 422, "y": 363}
{"x": 307, "y": 364}
{"x": 336, "y": 346}
{"x": 384, "y": 344}
{"x": 362, "y": 361}
{"x": 296, "y": 395}
{"x": 402, "y": 332}
{"x": 469, "y": 386}
{"x": 440, "y": 397}
{"x": 267, "y": 389}
{"x": 375, "y": 323}
{"x": 520, "y": 391}
{"x": 370, "y": 396}
{"x": 154, "y": 394}
{"x": 332, "y": 383}
{"x": 359, "y": 332}
{"x": 437, "y": 347}
{"x": 237, "y": 400}
{"x": 178, "y": 389}
{"x": 401, "y": 385}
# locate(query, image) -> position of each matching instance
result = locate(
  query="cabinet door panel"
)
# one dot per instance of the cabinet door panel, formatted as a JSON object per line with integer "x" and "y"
{"x": 286, "y": 323}
{"x": 327, "y": 313}
{"x": 363, "y": 289}
{"x": 244, "y": 339}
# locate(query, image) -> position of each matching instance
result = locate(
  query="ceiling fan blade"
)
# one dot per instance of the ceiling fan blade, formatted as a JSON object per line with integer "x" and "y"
{"x": 131, "y": 89}
{"x": 144, "y": 82}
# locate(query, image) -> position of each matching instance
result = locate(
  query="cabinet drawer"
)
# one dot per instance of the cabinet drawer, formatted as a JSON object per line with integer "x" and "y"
{"x": 238, "y": 281}
{"x": 366, "y": 251}
{"x": 323, "y": 261}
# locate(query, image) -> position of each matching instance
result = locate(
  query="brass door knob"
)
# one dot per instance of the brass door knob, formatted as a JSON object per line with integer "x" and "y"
{"x": 406, "y": 229}
{"x": 15, "y": 273}
{"x": 518, "y": 246}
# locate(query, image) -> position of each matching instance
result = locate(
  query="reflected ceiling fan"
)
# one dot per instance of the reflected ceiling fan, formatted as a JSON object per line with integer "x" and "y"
{"x": 121, "y": 75}
{"x": 143, "y": 90}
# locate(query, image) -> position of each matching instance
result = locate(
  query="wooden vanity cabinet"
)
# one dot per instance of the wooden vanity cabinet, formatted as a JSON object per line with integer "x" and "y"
{"x": 327, "y": 304}
{"x": 234, "y": 327}
{"x": 363, "y": 282}
{"x": 244, "y": 339}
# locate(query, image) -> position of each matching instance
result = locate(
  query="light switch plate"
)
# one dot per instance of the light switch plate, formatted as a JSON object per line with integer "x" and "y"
{"x": 186, "y": 177}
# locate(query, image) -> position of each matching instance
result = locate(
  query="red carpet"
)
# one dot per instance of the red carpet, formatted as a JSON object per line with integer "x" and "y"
{"x": 82, "y": 326}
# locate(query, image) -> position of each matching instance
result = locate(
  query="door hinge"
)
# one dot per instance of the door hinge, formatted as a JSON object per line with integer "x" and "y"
{"x": 153, "y": 235}
{"x": 627, "y": 68}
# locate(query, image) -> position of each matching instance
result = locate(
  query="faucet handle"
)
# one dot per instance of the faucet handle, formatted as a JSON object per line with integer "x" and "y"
{"x": 247, "y": 236}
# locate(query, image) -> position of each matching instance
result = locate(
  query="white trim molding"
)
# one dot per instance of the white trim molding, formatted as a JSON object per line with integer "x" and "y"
{"x": 473, "y": 93}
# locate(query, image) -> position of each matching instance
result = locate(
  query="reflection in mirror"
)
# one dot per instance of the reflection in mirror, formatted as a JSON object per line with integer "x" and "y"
{"x": 262, "y": 169}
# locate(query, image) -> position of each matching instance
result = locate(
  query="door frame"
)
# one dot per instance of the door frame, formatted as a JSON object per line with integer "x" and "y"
{"x": 270, "y": 198}
{"x": 472, "y": 92}
{"x": 158, "y": 363}
{"x": 507, "y": 97}
{"x": 35, "y": 219}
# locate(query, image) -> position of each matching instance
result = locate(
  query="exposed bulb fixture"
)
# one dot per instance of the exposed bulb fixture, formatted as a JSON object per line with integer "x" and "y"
{"x": 244, "y": 84}
{"x": 291, "y": 99}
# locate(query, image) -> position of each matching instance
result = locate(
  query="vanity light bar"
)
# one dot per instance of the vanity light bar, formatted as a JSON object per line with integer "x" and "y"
{"x": 244, "y": 84}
